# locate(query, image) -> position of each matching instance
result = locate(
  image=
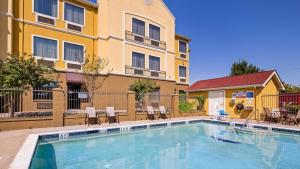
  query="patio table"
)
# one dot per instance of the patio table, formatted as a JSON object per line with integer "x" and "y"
{"x": 284, "y": 116}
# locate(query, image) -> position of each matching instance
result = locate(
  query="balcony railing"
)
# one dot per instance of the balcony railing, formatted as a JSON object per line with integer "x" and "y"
{"x": 145, "y": 40}
{"x": 145, "y": 72}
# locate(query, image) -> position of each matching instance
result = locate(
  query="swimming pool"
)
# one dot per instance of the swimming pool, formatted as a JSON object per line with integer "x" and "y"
{"x": 201, "y": 145}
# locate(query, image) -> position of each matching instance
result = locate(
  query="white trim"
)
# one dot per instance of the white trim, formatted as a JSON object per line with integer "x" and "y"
{"x": 57, "y": 17}
{"x": 72, "y": 62}
{"x": 63, "y": 13}
{"x": 41, "y": 57}
{"x": 24, "y": 156}
{"x": 279, "y": 80}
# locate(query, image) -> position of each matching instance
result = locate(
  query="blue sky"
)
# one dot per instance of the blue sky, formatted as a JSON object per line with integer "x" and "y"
{"x": 264, "y": 32}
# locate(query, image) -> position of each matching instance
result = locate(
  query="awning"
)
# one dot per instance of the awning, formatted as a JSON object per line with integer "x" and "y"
{"x": 74, "y": 78}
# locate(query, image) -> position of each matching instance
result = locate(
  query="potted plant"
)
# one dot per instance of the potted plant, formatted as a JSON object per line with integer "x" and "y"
{"x": 142, "y": 87}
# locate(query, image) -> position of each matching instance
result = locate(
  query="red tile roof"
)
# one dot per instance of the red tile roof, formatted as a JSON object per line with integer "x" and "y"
{"x": 254, "y": 79}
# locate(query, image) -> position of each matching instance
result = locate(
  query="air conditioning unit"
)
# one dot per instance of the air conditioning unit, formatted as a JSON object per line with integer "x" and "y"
{"x": 45, "y": 19}
{"x": 47, "y": 63}
{"x": 183, "y": 56}
{"x": 74, "y": 27}
{"x": 182, "y": 80}
{"x": 74, "y": 66}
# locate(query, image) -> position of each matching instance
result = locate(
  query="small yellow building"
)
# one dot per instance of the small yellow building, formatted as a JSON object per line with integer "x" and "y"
{"x": 226, "y": 93}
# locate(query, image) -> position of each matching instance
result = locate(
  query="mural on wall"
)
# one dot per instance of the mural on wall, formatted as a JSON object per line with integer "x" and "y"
{"x": 244, "y": 100}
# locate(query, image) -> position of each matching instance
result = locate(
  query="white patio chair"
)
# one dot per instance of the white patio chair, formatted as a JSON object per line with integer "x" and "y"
{"x": 163, "y": 112}
{"x": 111, "y": 115}
{"x": 150, "y": 113}
{"x": 91, "y": 114}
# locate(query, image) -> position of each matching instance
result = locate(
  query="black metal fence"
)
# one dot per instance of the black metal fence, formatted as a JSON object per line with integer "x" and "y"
{"x": 288, "y": 101}
{"x": 78, "y": 100}
{"x": 31, "y": 103}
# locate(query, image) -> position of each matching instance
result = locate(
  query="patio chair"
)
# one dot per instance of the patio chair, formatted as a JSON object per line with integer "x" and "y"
{"x": 150, "y": 113}
{"x": 276, "y": 113}
{"x": 163, "y": 112}
{"x": 269, "y": 115}
{"x": 111, "y": 115}
{"x": 295, "y": 118}
{"x": 92, "y": 115}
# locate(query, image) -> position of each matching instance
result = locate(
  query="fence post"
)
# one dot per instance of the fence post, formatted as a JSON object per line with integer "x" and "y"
{"x": 175, "y": 105}
{"x": 58, "y": 106}
{"x": 131, "y": 105}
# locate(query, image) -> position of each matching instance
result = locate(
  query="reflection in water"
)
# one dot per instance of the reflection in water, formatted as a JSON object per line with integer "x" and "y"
{"x": 44, "y": 150}
{"x": 185, "y": 147}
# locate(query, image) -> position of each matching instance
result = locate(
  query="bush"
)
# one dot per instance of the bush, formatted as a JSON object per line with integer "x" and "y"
{"x": 185, "y": 107}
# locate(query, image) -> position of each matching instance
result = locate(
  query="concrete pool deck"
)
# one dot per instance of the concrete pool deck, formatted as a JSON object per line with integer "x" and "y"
{"x": 12, "y": 141}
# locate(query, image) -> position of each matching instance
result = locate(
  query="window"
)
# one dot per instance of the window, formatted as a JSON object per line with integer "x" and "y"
{"x": 138, "y": 60}
{"x": 73, "y": 52}
{"x": 138, "y": 27}
{"x": 182, "y": 47}
{"x": 44, "y": 92}
{"x": 182, "y": 96}
{"x": 154, "y": 96}
{"x": 48, "y": 7}
{"x": 74, "y": 14}
{"x": 154, "y": 32}
{"x": 154, "y": 63}
{"x": 45, "y": 48}
{"x": 182, "y": 71}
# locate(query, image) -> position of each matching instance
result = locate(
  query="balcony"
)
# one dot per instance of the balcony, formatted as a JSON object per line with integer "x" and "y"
{"x": 145, "y": 72}
{"x": 145, "y": 41}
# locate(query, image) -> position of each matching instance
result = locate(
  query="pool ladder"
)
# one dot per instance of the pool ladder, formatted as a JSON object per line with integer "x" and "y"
{"x": 248, "y": 118}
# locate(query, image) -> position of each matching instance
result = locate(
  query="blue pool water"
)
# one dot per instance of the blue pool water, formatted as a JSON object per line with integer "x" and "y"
{"x": 201, "y": 146}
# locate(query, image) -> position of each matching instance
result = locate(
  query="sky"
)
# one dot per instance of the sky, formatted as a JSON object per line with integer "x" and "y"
{"x": 264, "y": 32}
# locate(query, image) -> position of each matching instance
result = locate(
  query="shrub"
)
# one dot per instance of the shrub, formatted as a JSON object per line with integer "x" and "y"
{"x": 185, "y": 107}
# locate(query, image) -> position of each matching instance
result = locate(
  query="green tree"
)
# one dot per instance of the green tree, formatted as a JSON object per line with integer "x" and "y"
{"x": 93, "y": 68}
{"x": 243, "y": 67}
{"x": 142, "y": 87}
{"x": 17, "y": 72}
{"x": 289, "y": 88}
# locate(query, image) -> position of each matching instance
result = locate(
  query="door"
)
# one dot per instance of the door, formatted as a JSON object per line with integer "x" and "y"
{"x": 73, "y": 99}
{"x": 216, "y": 102}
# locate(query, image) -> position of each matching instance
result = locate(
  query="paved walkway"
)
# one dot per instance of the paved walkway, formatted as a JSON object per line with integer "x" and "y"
{"x": 11, "y": 141}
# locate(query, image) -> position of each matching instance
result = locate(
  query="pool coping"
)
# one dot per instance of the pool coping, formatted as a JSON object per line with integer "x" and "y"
{"x": 24, "y": 156}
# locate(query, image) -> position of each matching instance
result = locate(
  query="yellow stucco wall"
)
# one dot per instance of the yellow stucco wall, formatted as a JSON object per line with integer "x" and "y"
{"x": 180, "y": 61}
{"x": 103, "y": 33}
{"x": 115, "y": 17}
{"x": 271, "y": 88}
{"x": 24, "y": 31}
{"x": 6, "y": 28}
